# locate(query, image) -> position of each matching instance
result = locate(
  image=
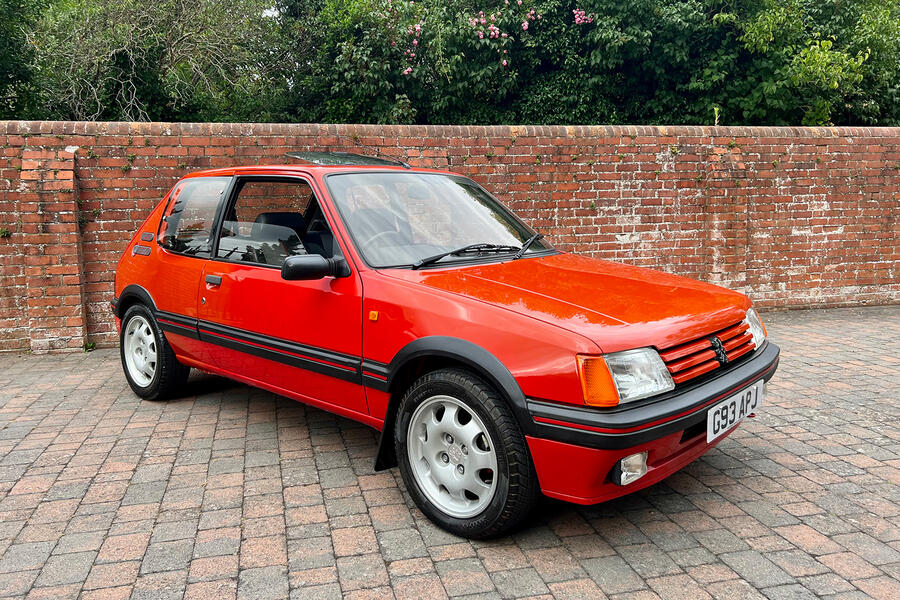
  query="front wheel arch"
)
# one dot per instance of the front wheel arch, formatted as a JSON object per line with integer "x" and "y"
{"x": 513, "y": 482}
{"x": 435, "y": 352}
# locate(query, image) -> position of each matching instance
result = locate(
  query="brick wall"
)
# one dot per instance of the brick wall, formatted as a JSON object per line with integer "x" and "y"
{"x": 796, "y": 217}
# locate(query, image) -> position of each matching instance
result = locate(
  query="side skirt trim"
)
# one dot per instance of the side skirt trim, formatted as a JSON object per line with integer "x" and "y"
{"x": 175, "y": 323}
{"x": 339, "y": 365}
{"x": 280, "y": 355}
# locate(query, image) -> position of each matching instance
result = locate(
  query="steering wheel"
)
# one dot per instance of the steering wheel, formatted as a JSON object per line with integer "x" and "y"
{"x": 378, "y": 236}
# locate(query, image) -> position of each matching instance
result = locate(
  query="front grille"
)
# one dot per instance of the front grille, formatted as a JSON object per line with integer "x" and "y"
{"x": 698, "y": 357}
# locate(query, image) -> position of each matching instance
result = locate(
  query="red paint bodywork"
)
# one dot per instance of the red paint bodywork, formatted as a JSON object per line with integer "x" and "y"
{"x": 533, "y": 314}
{"x": 577, "y": 474}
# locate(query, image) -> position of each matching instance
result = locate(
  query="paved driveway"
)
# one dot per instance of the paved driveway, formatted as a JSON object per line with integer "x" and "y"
{"x": 232, "y": 491}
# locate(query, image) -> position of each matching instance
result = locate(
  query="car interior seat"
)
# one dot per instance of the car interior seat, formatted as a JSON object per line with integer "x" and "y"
{"x": 291, "y": 220}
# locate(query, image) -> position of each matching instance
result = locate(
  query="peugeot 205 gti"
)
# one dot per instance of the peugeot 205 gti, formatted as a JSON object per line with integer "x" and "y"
{"x": 495, "y": 366}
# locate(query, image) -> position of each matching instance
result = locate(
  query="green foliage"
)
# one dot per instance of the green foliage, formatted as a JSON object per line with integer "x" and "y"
{"x": 16, "y": 18}
{"x": 821, "y": 62}
{"x": 777, "y": 62}
{"x": 136, "y": 60}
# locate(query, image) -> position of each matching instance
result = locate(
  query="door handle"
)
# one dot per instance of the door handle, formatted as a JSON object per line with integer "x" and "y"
{"x": 214, "y": 279}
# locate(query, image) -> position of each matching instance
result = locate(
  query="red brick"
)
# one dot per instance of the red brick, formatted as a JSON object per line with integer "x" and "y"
{"x": 767, "y": 216}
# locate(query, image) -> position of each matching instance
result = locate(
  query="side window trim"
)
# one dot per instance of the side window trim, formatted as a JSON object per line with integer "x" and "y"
{"x": 220, "y": 216}
{"x": 163, "y": 220}
{"x": 231, "y": 197}
{"x": 165, "y": 212}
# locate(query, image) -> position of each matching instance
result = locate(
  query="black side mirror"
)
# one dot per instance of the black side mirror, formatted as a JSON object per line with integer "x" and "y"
{"x": 313, "y": 266}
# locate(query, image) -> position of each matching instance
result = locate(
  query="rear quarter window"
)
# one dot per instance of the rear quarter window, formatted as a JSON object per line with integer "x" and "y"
{"x": 188, "y": 223}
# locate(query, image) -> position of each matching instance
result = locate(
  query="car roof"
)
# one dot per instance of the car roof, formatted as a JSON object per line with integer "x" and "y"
{"x": 317, "y": 162}
{"x": 332, "y": 159}
{"x": 311, "y": 169}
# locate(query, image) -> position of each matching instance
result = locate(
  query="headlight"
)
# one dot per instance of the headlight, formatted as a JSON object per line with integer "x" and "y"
{"x": 757, "y": 330}
{"x": 623, "y": 377}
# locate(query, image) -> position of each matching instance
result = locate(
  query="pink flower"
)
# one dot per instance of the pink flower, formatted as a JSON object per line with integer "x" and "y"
{"x": 407, "y": 70}
{"x": 480, "y": 35}
{"x": 415, "y": 42}
{"x": 525, "y": 25}
{"x": 581, "y": 17}
{"x": 504, "y": 63}
{"x": 519, "y": 2}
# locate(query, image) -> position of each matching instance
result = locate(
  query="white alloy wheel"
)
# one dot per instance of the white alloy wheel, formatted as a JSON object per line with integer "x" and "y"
{"x": 139, "y": 345}
{"x": 452, "y": 456}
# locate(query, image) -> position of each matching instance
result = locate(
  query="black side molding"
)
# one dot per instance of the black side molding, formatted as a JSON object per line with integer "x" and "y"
{"x": 318, "y": 360}
{"x": 375, "y": 375}
{"x": 175, "y": 323}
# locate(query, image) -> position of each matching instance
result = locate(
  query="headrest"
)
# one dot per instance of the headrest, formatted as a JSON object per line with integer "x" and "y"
{"x": 292, "y": 220}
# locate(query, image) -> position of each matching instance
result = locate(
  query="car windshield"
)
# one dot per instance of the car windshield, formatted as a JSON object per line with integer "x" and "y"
{"x": 401, "y": 219}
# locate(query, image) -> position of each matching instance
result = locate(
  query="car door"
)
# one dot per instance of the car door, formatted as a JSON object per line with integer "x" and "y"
{"x": 299, "y": 338}
{"x": 184, "y": 245}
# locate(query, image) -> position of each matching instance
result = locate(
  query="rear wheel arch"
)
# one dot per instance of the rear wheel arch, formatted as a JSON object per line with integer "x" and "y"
{"x": 435, "y": 352}
{"x": 151, "y": 347}
{"x": 131, "y": 295}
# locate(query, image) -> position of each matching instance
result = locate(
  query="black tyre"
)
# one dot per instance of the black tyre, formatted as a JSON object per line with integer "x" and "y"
{"x": 462, "y": 456}
{"x": 150, "y": 365}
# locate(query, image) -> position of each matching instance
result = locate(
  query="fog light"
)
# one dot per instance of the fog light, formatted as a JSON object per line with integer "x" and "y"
{"x": 630, "y": 469}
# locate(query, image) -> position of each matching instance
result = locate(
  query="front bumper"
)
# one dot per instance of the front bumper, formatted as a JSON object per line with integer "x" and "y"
{"x": 574, "y": 448}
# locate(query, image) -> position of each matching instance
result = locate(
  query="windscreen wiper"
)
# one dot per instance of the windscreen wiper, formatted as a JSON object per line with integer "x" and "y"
{"x": 528, "y": 244}
{"x": 428, "y": 260}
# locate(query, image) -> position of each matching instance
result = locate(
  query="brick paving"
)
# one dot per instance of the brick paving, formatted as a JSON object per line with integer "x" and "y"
{"x": 234, "y": 492}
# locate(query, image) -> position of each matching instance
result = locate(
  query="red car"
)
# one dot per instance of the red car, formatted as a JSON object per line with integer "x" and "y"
{"x": 495, "y": 366}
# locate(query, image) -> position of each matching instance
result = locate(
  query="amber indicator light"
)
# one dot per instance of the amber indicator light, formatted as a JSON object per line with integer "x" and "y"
{"x": 596, "y": 381}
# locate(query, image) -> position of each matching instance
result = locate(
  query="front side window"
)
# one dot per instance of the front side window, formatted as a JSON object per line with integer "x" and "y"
{"x": 191, "y": 215}
{"x": 271, "y": 220}
{"x": 398, "y": 219}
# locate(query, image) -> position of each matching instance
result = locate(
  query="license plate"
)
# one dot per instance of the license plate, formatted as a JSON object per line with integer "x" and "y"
{"x": 728, "y": 413}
